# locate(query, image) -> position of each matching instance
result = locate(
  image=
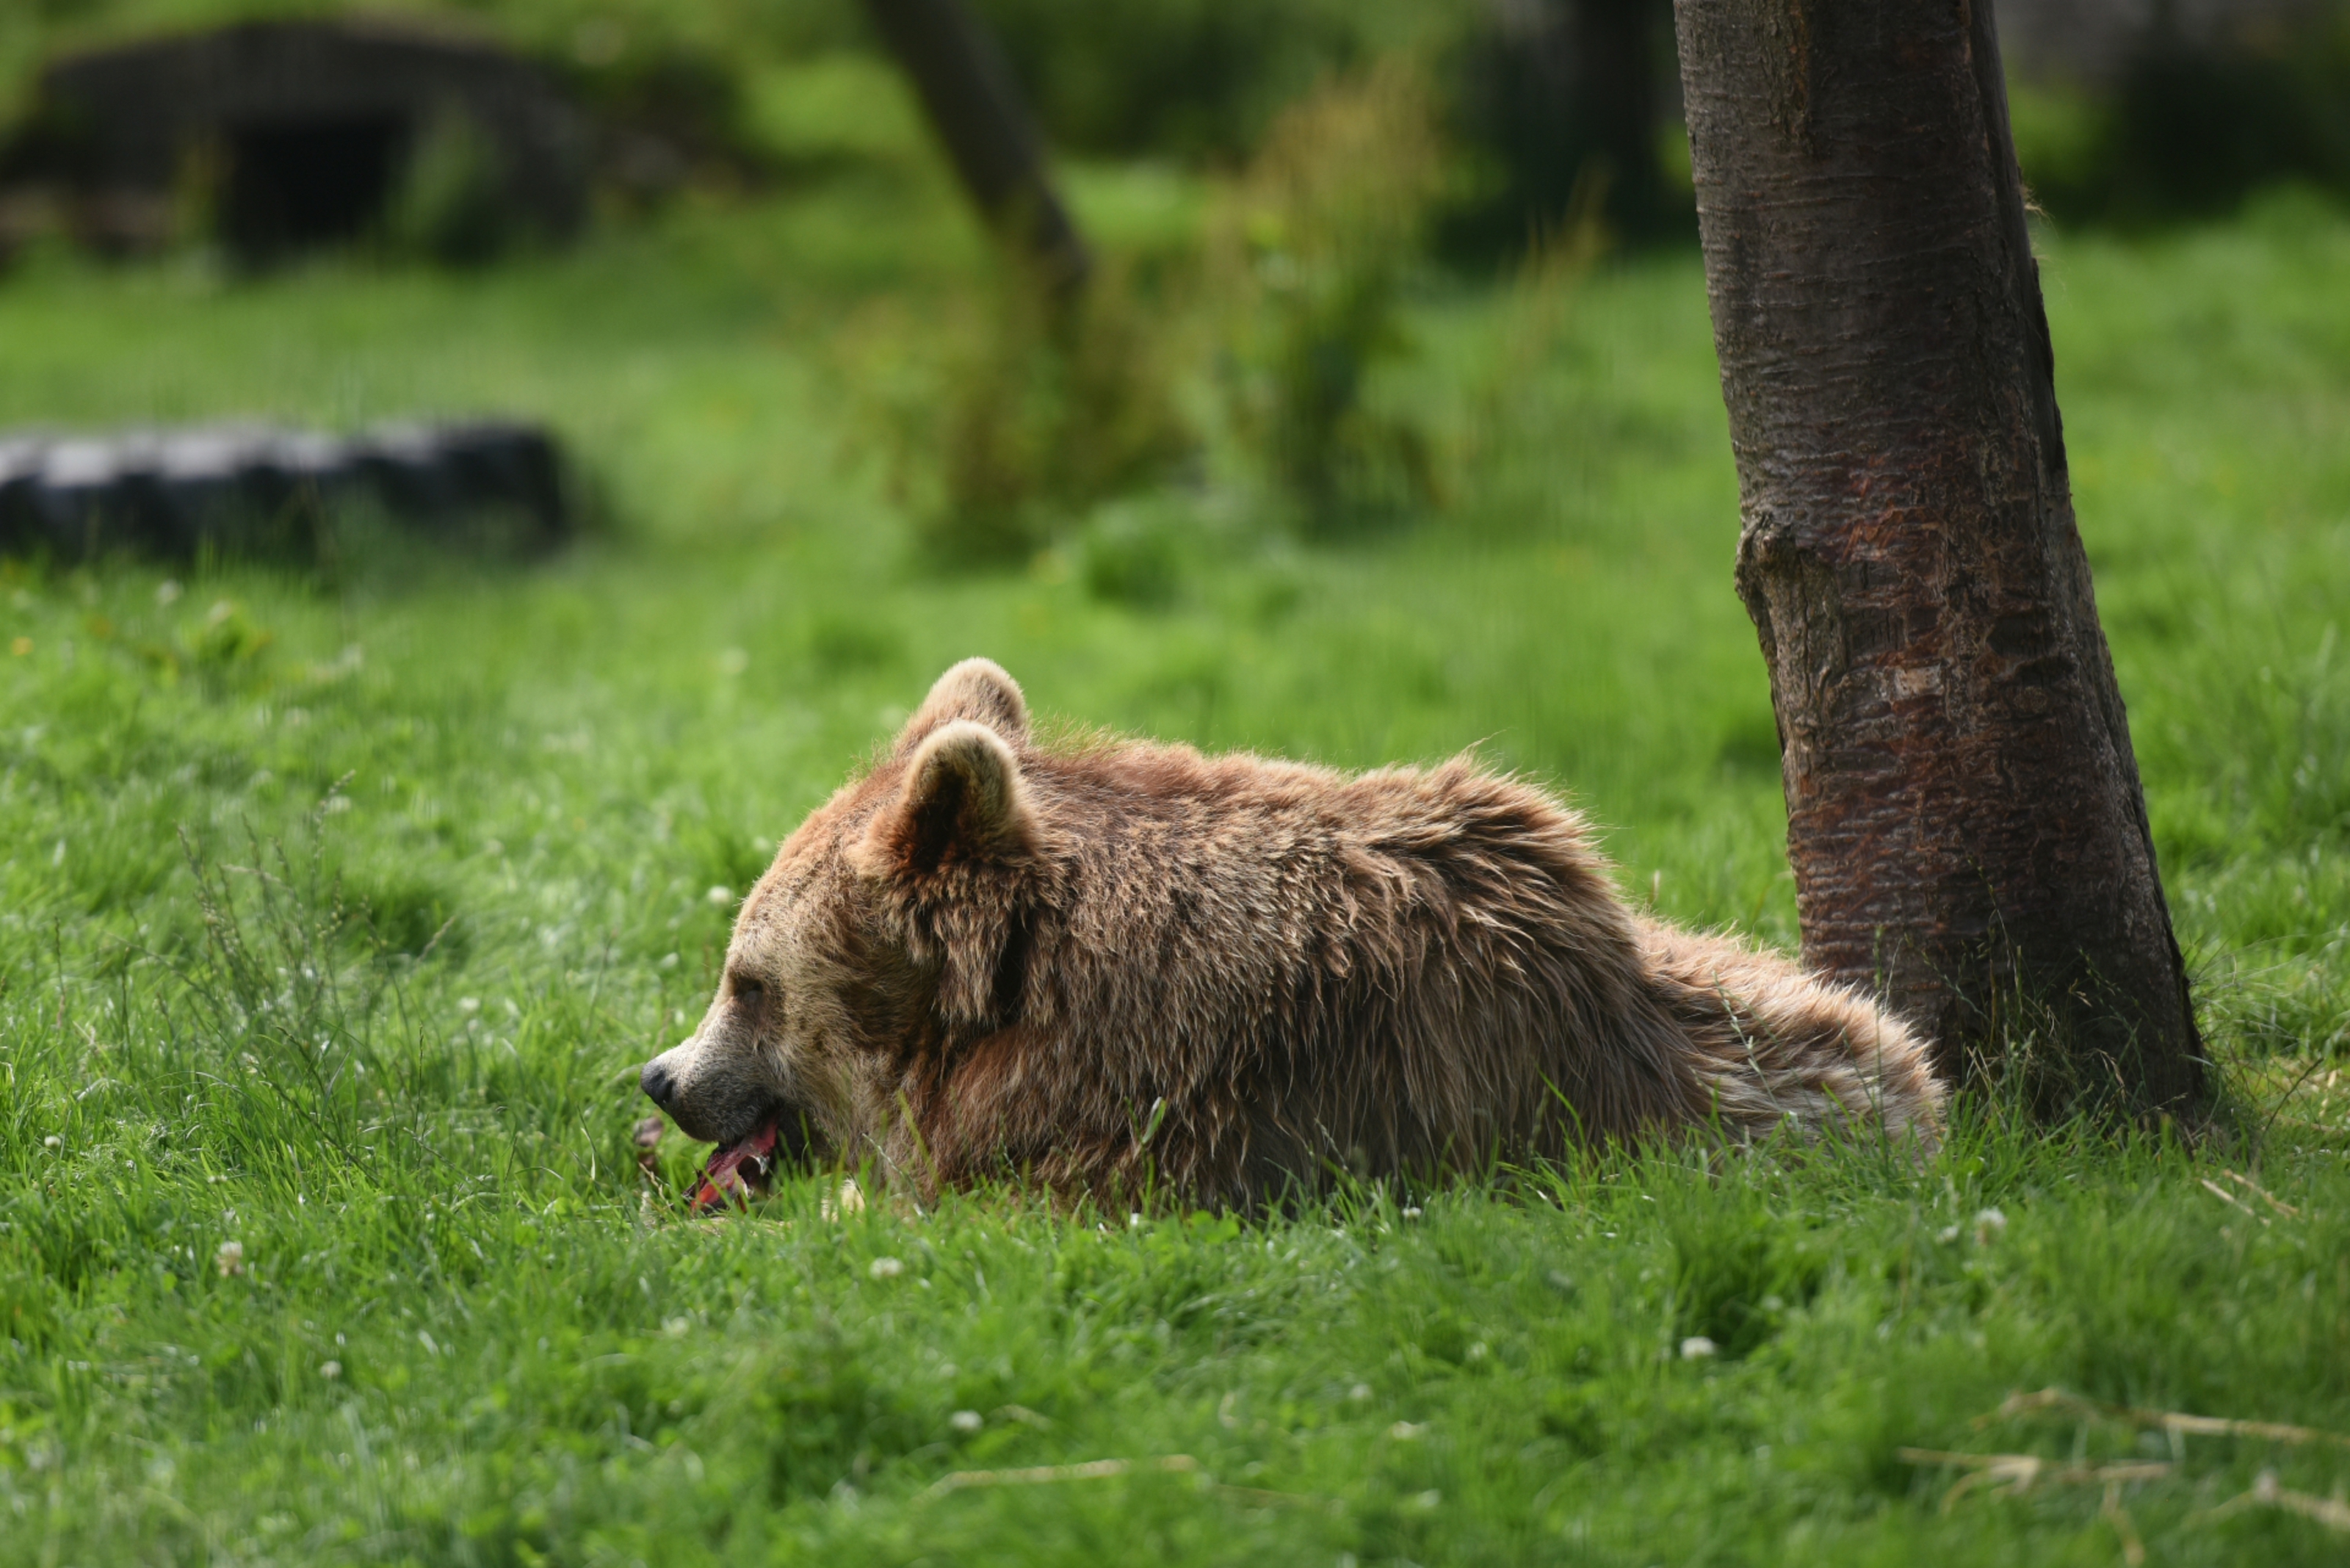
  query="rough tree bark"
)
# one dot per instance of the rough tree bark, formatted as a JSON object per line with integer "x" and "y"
{"x": 977, "y": 111}
{"x": 1964, "y": 814}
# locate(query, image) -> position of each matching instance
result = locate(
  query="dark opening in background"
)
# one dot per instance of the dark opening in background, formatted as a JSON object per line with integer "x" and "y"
{"x": 299, "y": 185}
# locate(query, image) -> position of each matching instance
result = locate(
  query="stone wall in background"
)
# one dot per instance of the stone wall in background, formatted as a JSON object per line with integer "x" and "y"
{"x": 295, "y": 134}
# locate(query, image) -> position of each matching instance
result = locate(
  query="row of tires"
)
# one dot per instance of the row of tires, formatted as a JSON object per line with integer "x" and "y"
{"x": 258, "y": 490}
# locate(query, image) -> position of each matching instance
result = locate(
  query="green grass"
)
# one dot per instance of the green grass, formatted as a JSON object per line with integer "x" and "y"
{"x": 422, "y": 1146}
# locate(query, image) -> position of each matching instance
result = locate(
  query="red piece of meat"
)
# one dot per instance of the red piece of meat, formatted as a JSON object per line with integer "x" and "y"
{"x": 736, "y": 1173}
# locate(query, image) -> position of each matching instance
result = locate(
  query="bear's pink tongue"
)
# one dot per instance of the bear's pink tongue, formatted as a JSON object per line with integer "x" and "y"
{"x": 736, "y": 1173}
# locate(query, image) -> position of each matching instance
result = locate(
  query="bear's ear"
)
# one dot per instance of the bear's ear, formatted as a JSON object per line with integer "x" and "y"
{"x": 962, "y": 799}
{"x": 977, "y": 689}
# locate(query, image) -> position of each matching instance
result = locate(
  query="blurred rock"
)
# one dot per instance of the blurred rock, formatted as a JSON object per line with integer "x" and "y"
{"x": 259, "y": 491}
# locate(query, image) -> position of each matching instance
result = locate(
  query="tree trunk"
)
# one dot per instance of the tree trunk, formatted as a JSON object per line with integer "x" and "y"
{"x": 975, "y": 108}
{"x": 1963, "y": 809}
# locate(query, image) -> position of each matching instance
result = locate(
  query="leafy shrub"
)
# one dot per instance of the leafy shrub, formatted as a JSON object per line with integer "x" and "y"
{"x": 1186, "y": 78}
{"x": 1329, "y": 219}
{"x": 278, "y": 988}
{"x": 1048, "y": 408}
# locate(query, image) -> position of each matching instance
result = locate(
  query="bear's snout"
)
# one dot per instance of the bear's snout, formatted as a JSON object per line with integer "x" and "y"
{"x": 658, "y": 1082}
{"x": 713, "y": 1090}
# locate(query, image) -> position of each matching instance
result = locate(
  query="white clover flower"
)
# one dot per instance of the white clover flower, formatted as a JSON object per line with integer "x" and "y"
{"x": 850, "y": 1199}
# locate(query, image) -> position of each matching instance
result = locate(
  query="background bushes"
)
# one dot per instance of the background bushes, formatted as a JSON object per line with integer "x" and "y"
{"x": 2183, "y": 126}
{"x": 1194, "y": 79}
{"x": 2187, "y": 128}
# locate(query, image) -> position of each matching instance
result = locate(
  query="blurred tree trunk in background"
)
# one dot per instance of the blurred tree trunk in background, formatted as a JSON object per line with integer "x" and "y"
{"x": 976, "y": 109}
{"x": 1964, "y": 813}
{"x": 1569, "y": 98}
{"x": 1617, "y": 69}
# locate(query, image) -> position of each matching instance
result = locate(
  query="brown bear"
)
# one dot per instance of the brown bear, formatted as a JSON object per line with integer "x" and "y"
{"x": 1110, "y": 965}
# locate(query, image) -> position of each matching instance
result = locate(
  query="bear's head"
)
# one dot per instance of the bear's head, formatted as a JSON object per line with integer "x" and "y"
{"x": 890, "y": 927}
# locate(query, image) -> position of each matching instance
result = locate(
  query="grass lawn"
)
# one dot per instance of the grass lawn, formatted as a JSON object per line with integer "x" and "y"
{"x": 335, "y": 918}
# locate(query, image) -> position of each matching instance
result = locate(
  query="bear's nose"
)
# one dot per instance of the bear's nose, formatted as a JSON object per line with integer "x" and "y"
{"x": 657, "y": 1083}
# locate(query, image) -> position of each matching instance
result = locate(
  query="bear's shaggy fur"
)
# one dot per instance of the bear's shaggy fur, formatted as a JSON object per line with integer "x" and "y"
{"x": 1115, "y": 962}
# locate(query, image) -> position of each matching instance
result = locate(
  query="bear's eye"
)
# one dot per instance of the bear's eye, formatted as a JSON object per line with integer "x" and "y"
{"x": 747, "y": 989}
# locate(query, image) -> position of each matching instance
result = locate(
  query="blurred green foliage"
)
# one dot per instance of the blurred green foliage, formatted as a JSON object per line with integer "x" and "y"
{"x": 1322, "y": 237}
{"x": 2187, "y": 130}
{"x": 2183, "y": 131}
{"x": 1251, "y": 352}
{"x": 1196, "y": 82}
{"x": 1194, "y": 78}
{"x": 448, "y": 205}
{"x": 1042, "y": 413}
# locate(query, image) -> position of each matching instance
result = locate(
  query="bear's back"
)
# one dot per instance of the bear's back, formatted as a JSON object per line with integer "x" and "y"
{"x": 1395, "y": 970}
